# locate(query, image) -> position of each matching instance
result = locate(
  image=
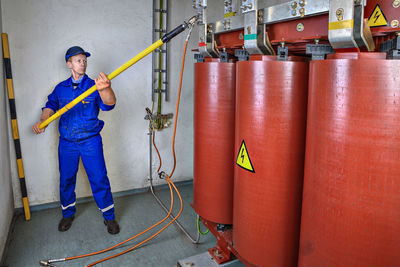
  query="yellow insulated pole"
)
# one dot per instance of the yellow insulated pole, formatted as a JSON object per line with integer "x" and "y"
{"x": 14, "y": 124}
{"x": 111, "y": 76}
{"x": 168, "y": 36}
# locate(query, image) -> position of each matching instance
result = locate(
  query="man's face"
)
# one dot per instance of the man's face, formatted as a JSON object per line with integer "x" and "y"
{"x": 77, "y": 64}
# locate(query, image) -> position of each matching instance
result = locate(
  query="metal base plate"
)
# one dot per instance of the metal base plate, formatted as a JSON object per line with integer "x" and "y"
{"x": 205, "y": 260}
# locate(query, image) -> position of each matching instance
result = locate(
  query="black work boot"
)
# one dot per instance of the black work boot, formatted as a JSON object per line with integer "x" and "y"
{"x": 65, "y": 223}
{"x": 112, "y": 226}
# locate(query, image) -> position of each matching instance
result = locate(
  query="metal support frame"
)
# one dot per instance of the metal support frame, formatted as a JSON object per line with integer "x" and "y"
{"x": 204, "y": 260}
{"x": 161, "y": 54}
{"x": 224, "y": 250}
{"x": 346, "y": 23}
{"x": 151, "y": 118}
{"x": 290, "y": 10}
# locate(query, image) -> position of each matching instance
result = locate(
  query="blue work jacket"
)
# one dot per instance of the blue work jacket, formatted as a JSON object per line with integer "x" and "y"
{"x": 80, "y": 122}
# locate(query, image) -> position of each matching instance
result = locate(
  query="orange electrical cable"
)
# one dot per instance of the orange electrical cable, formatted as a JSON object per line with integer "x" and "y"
{"x": 129, "y": 239}
{"x": 177, "y": 106}
{"x": 167, "y": 178}
{"x": 151, "y": 237}
{"x": 158, "y": 152}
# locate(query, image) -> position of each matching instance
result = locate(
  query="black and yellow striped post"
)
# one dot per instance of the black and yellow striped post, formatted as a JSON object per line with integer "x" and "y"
{"x": 14, "y": 124}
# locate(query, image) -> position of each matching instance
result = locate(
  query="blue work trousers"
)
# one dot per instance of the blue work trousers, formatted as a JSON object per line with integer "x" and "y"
{"x": 91, "y": 152}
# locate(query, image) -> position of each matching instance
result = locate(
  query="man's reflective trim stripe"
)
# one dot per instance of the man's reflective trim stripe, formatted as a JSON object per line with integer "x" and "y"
{"x": 108, "y": 208}
{"x": 70, "y": 205}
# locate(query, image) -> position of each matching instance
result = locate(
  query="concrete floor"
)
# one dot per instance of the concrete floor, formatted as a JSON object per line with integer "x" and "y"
{"x": 39, "y": 238}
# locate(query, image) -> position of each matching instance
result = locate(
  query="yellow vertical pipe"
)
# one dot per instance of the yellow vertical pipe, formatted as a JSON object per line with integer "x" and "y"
{"x": 111, "y": 76}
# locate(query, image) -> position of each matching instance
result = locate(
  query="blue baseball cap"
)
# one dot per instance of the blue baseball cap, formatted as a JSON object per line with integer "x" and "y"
{"x": 75, "y": 50}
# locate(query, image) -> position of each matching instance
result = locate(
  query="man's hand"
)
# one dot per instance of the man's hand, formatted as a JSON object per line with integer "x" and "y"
{"x": 36, "y": 128}
{"x": 103, "y": 85}
{"x": 46, "y": 113}
{"x": 102, "y": 82}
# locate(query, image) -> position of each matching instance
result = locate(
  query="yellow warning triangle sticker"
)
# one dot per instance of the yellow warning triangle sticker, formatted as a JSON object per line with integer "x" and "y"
{"x": 377, "y": 18}
{"x": 243, "y": 158}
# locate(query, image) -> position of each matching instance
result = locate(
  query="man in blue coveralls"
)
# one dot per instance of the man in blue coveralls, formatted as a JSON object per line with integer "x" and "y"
{"x": 80, "y": 137}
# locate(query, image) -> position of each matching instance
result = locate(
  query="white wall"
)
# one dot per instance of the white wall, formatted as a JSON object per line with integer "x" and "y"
{"x": 6, "y": 196}
{"x": 113, "y": 31}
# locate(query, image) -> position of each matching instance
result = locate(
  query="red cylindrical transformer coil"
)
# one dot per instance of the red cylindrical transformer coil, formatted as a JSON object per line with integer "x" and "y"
{"x": 271, "y": 111}
{"x": 214, "y": 133}
{"x": 351, "y": 198}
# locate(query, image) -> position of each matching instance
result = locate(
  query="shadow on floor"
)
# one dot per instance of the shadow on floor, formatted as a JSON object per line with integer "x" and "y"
{"x": 39, "y": 238}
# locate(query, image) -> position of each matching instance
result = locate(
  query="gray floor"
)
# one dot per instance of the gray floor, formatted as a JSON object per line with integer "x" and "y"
{"x": 39, "y": 238}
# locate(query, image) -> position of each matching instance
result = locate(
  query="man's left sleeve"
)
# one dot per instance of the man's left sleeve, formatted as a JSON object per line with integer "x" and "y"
{"x": 105, "y": 107}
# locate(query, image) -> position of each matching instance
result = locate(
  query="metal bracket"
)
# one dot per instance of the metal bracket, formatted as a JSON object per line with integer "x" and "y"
{"x": 395, "y": 54}
{"x": 206, "y": 30}
{"x": 160, "y": 10}
{"x": 224, "y": 57}
{"x": 319, "y": 51}
{"x": 255, "y": 31}
{"x": 159, "y": 91}
{"x": 392, "y": 48}
{"x": 204, "y": 259}
{"x": 346, "y": 24}
{"x": 223, "y": 227}
{"x": 359, "y": 24}
{"x": 160, "y": 51}
{"x": 199, "y": 58}
{"x": 200, "y": 6}
{"x": 283, "y": 53}
{"x": 248, "y": 6}
{"x": 289, "y": 10}
{"x": 230, "y": 8}
{"x": 242, "y": 55}
{"x": 160, "y": 116}
{"x": 294, "y": 9}
{"x": 206, "y": 41}
{"x": 160, "y": 30}
{"x": 160, "y": 70}
{"x": 162, "y": 175}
